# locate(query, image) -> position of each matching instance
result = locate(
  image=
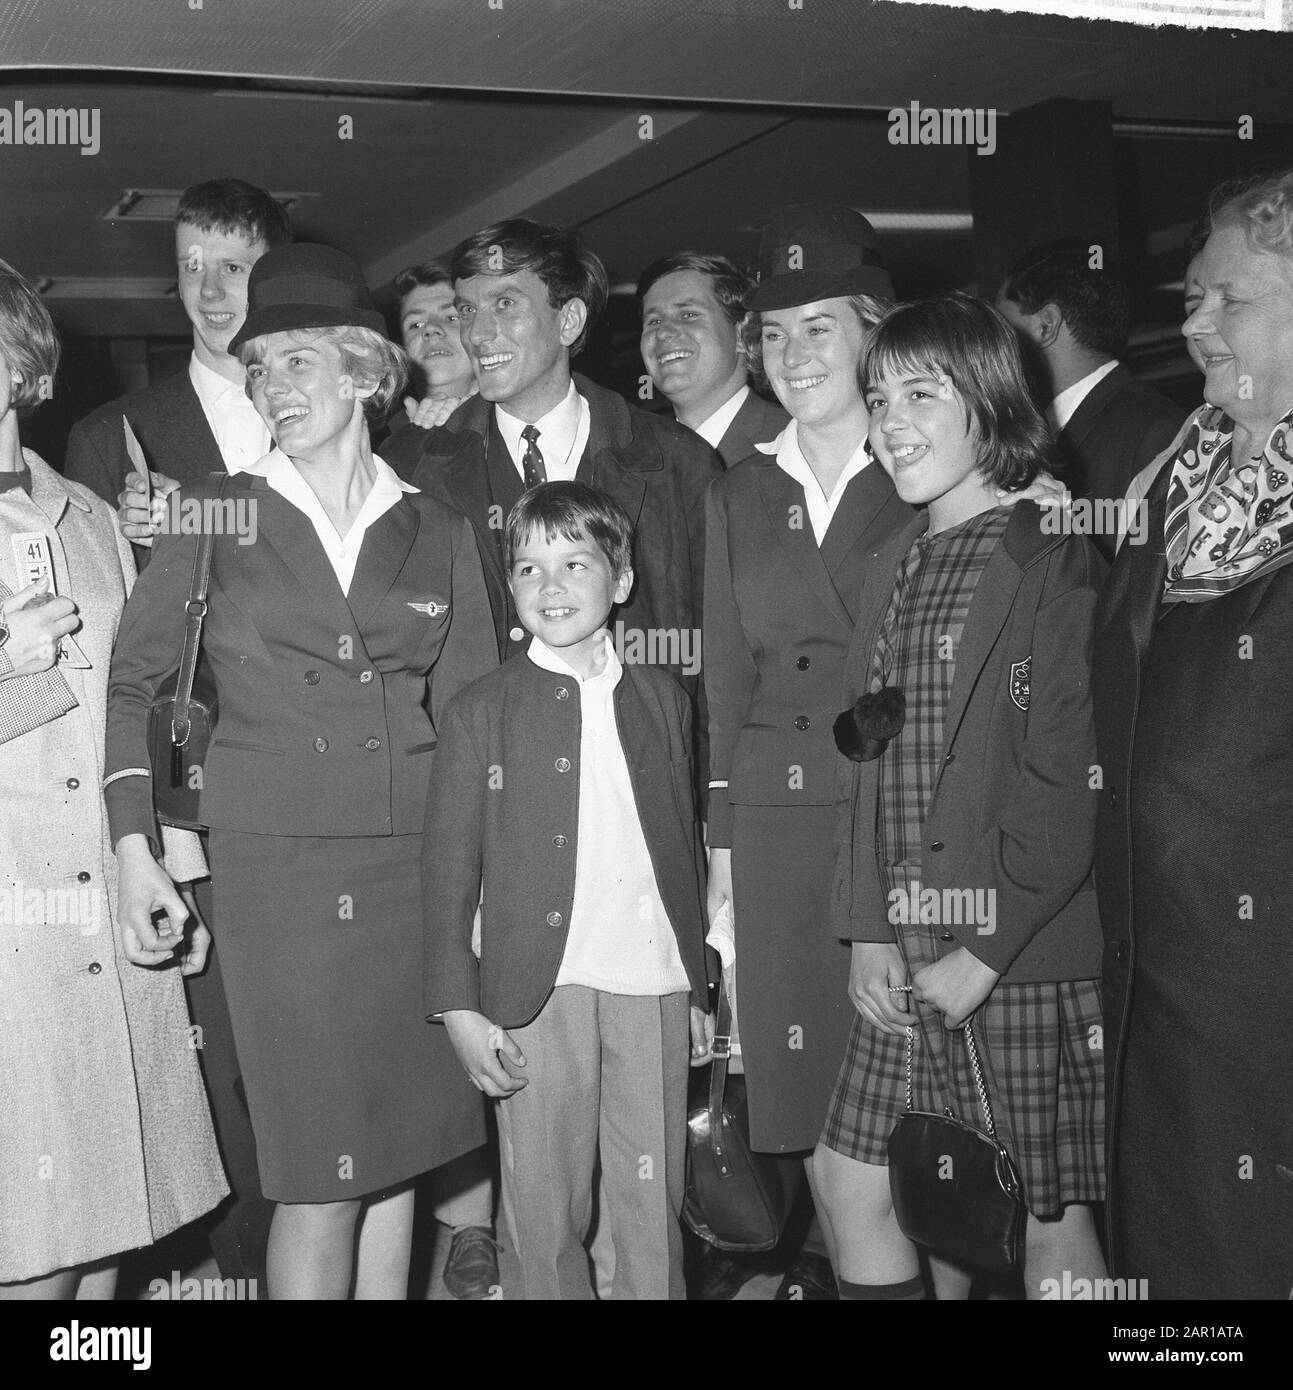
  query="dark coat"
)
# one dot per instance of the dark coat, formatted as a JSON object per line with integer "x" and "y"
{"x": 1012, "y": 809}
{"x": 321, "y": 727}
{"x": 653, "y": 467}
{"x": 779, "y": 613}
{"x": 1195, "y": 731}
{"x": 169, "y": 422}
{"x": 757, "y": 422}
{"x": 1121, "y": 426}
{"x": 521, "y": 724}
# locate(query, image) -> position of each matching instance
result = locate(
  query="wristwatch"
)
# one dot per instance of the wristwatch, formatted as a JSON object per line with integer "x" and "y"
{"x": 4, "y": 631}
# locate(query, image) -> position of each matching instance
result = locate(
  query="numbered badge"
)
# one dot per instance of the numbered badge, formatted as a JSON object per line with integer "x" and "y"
{"x": 34, "y": 560}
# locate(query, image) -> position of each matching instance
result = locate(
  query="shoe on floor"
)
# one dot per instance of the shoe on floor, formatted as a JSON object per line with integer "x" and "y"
{"x": 471, "y": 1270}
{"x": 722, "y": 1274}
{"x": 809, "y": 1279}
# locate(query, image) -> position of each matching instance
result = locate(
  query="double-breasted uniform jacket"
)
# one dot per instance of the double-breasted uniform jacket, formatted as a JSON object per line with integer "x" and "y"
{"x": 779, "y": 613}
{"x": 757, "y": 422}
{"x": 1013, "y": 810}
{"x": 502, "y": 832}
{"x": 172, "y": 430}
{"x": 323, "y": 724}
{"x": 105, "y": 1140}
{"x": 652, "y": 466}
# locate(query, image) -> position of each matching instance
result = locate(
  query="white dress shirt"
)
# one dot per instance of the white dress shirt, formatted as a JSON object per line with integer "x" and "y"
{"x": 342, "y": 551}
{"x": 1063, "y": 408}
{"x": 790, "y": 458}
{"x": 241, "y": 435}
{"x": 713, "y": 429}
{"x": 563, "y": 436}
{"x": 620, "y": 938}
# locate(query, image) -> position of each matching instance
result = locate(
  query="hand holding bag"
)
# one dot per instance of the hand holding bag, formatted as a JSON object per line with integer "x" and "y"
{"x": 736, "y": 1199}
{"x": 955, "y": 1189}
{"x": 182, "y": 714}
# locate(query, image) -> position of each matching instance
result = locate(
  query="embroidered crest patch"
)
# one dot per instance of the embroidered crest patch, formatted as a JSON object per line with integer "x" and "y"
{"x": 1020, "y": 674}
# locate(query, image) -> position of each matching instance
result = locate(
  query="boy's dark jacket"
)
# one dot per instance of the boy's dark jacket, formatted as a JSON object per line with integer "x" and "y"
{"x": 503, "y": 814}
{"x": 1013, "y": 809}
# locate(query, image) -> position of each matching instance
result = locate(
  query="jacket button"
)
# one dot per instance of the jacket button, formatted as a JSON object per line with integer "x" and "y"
{"x": 560, "y": 841}
{"x": 73, "y": 783}
{"x": 83, "y": 876}
{"x": 516, "y": 634}
{"x": 372, "y": 744}
{"x": 951, "y": 758}
{"x": 1120, "y": 950}
{"x": 554, "y": 919}
{"x": 562, "y": 693}
{"x": 946, "y": 936}
{"x": 95, "y": 967}
{"x": 320, "y": 745}
{"x": 803, "y": 663}
{"x": 802, "y": 721}
{"x": 936, "y": 846}
{"x": 311, "y": 678}
{"x": 365, "y": 677}
{"x": 562, "y": 764}
{"x": 1113, "y": 797}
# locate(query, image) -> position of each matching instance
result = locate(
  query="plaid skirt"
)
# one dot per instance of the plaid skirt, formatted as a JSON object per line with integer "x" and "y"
{"x": 1041, "y": 1050}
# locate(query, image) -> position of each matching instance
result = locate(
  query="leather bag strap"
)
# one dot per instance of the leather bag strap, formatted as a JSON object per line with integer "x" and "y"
{"x": 196, "y": 611}
{"x": 718, "y": 1082}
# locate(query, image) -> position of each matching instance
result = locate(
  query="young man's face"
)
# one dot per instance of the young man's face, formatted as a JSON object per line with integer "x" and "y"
{"x": 213, "y": 271}
{"x": 564, "y": 591}
{"x": 689, "y": 346}
{"x": 429, "y": 327}
{"x": 518, "y": 343}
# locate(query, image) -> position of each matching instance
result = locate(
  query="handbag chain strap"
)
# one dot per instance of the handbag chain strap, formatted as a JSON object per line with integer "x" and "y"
{"x": 979, "y": 1082}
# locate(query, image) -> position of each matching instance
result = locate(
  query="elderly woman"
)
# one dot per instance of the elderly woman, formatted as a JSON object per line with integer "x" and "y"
{"x": 105, "y": 1140}
{"x": 788, "y": 534}
{"x": 349, "y": 606}
{"x": 1193, "y": 667}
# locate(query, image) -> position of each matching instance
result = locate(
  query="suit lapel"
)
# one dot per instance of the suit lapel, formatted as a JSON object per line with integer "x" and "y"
{"x": 386, "y": 546}
{"x": 781, "y": 493}
{"x": 863, "y": 508}
{"x": 1133, "y": 591}
{"x": 1083, "y": 419}
{"x": 180, "y": 419}
{"x": 465, "y": 481}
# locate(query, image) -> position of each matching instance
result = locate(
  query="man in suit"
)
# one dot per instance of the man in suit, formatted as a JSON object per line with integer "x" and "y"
{"x": 1108, "y": 424}
{"x": 528, "y": 296}
{"x": 189, "y": 425}
{"x": 693, "y": 314}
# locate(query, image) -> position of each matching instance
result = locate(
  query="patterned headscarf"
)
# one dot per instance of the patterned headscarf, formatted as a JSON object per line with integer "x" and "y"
{"x": 1226, "y": 524}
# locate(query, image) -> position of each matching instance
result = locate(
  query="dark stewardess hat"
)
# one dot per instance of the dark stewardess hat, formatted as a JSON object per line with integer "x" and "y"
{"x": 812, "y": 251}
{"x": 306, "y": 286}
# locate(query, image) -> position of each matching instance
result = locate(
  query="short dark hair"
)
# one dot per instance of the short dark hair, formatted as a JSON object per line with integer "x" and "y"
{"x": 424, "y": 276}
{"x": 1095, "y": 303}
{"x": 732, "y": 284}
{"x": 29, "y": 341}
{"x": 970, "y": 343}
{"x": 557, "y": 255}
{"x": 577, "y": 511}
{"x": 232, "y": 206}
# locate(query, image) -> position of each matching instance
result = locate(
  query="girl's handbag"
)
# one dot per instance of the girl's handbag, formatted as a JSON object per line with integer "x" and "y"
{"x": 955, "y": 1189}
{"x": 183, "y": 712}
{"x": 736, "y": 1199}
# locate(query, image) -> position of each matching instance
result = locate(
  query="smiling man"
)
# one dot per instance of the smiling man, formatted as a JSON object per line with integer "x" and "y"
{"x": 528, "y": 296}
{"x": 693, "y": 309}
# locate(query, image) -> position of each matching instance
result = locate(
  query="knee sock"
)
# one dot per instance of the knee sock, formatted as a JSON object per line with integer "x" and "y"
{"x": 909, "y": 1291}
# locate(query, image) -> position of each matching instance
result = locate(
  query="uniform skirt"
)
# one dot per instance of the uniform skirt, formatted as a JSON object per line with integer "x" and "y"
{"x": 792, "y": 976}
{"x": 350, "y": 1090}
{"x": 1041, "y": 1048}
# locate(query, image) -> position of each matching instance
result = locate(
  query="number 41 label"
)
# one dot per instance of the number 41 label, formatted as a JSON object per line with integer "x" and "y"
{"x": 31, "y": 553}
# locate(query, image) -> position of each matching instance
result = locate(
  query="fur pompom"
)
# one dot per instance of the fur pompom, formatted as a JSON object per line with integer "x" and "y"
{"x": 863, "y": 732}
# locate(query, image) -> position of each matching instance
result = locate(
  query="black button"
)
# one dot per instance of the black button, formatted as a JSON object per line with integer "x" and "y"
{"x": 95, "y": 967}
{"x": 372, "y": 744}
{"x": 1120, "y": 950}
{"x": 554, "y": 919}
{"x": 802, "y": 721}
{"x": 560, "y": 841}
{"x": 951, "y": 758}
{"x": 562, "y": 693}
{"x": 83, "y": 876}
{"x": 365, "y": 677}
{"x": 311, "y": 678}
{"x": 803, "y": 663}
{"x": 562, "y": 764}
{"x": 73, "y": 783}
{"x": 1113, "y": 797}
{"x": 946, "y": 936}
{"x": 936, "y": 846}
{"x": 320, "y": 745}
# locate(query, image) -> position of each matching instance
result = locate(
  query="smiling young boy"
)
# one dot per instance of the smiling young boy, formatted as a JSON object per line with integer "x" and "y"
{"x": 561, "y": 803}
